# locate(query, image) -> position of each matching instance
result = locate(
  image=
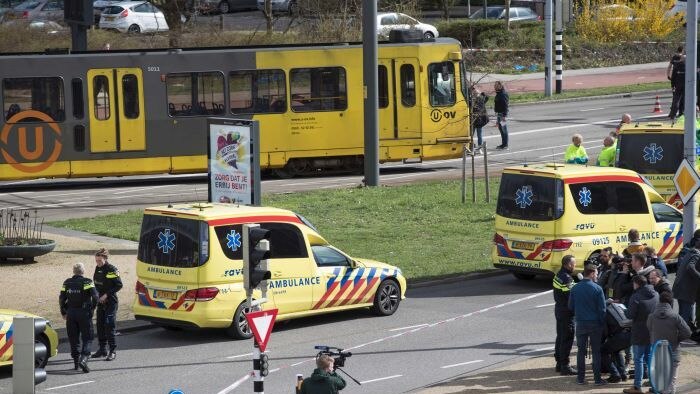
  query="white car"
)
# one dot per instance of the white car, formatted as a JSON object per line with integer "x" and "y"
{"x": 388, "y": 21}
{"x": 133, "y": 17}
{"x": 681, "y": 6}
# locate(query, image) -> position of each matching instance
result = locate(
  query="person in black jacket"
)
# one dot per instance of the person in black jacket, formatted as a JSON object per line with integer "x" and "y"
{"x": 108, "y": 283}
{"x": 501, "y": 108}
{"x": 641, "y": 305}
{"x": 678, "y": 86}
{"x": 562, "y": 284}
{"x": 687, "y": 283}
{"x": 77, "y": 302}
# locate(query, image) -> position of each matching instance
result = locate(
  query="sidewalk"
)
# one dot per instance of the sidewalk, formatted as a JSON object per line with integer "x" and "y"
{"x": 577, "y": 79}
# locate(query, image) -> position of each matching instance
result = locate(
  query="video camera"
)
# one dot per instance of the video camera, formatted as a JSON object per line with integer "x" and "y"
{"x": 332, "y": 351}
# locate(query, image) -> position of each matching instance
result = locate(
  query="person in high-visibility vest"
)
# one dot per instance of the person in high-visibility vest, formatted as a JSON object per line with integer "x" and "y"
{"x": 606, "y": 158}
{"x": 576, "y": 153}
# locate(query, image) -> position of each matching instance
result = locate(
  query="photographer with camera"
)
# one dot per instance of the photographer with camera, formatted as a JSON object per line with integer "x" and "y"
{"x": 323, "y": 380}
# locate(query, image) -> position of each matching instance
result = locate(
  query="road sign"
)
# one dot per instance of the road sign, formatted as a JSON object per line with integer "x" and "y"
{"x": 687, "y": 181}
{"x": 261, "y": 323}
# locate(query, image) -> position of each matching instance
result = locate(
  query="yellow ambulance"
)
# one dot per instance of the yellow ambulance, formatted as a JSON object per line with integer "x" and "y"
{"x": 654, "y": 150}
{"x": 190, "y": 265}
{"x": 547, "y": 211}
{"x": 49, "y": 338}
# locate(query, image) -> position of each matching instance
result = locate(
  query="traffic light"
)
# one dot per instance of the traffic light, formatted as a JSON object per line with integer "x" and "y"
{"x": 263, "y": 364}
{"x": 256, "y": 250}
{"x": 28, "y": 349}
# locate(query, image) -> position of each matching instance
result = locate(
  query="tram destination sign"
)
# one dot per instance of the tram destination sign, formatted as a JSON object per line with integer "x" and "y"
{"x": 233, "y": 152}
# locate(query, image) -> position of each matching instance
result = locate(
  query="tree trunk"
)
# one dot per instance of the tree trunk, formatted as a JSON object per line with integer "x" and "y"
{"x": 173, "y": 10}
{"x": 268, "y": 16}
{"x": 446, "y": 9}
{"x": 508, "y": 14}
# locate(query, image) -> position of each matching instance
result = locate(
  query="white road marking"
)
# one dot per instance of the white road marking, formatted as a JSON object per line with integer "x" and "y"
{"x": 299, "y": 363}
{"x": 62, "y": 204}
{"x": 539, "y": 350}
{"x": 460, "y": 364}
{"x": 591, "y": 109}
{"x": 235, "y": 384}
{"x": 544, "y": 305}
{"x": 70, "y": 385}
{"x": 409, "y": 327}
{"x": 378, "y": 379}
{"x": 578, "y": 125}
{"x": 240, "y": 355}
{"x": 274, "y": 370}
{"x": 138, "y": 189}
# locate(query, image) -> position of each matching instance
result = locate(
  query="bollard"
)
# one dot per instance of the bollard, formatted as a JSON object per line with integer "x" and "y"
{"x": 473, "y": 180}
{"x": 464, "y": 173}
{"x": 486, "y": 173}
{"x": 300, "y": 380}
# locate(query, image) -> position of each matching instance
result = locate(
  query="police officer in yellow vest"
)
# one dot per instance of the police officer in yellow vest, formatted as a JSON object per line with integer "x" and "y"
{"x": 576, "y": 153}
{"x": 606, "y": 158}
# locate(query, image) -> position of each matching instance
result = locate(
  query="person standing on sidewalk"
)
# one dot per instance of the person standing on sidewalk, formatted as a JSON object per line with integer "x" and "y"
{"x": 687, "y": 283}
{"x": 77, "y": 302}
{"x": 664, "y": 323}
{"x": 677, "y": 77}
{"x": 500, "y": 106}
{"x": 108, "y": 283}
{"x": 561, "y": 286}
{"x": 587, "y": 303}
{"x": 642, "y": 304}
{"x": 480, "y": 117}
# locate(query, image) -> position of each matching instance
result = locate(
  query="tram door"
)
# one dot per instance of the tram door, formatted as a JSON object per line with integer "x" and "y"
{"x": 399, "y": 93}
{"x": 116, "y": 107}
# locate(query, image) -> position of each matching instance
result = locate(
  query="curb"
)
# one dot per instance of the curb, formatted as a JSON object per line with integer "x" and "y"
{"x": 66, "y": 232}
{"x": 587, "y": 98}
{"x": 459, "y": 278}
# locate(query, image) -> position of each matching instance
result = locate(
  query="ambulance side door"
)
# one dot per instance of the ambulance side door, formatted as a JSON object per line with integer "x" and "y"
{"x": 337, "y": 286}
{"x": 291, "y": 268}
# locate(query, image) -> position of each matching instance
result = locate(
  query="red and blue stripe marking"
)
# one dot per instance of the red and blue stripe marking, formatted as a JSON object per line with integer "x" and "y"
{"x": 8, "y": 339}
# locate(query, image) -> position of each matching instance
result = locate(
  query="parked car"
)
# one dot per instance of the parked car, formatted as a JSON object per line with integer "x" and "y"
{"x": 226, "y": 6}
{"x": 48, "y": 27}
{"x": 98, "y": 6}
{"x": 681, "y": 6}
{"x": 133, "y": 17}
{"x": 499, "y": 12}
{"x": 7, "y": 6}
{"x": 288, "y": 6}
{"x": 616, "y": 12}
{"x": 39, "y": 10}
{"x": 49, "y": 338}
{"x": 388, "y": 21}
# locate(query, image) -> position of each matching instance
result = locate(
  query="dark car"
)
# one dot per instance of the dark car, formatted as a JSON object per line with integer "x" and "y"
{"x": 499, "y": 12}
{"x": 226, "y": 6}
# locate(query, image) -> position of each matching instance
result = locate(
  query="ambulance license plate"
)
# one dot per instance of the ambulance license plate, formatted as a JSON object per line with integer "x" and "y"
{"x": 524, "y": 245}
{"x": 171, "y": 295}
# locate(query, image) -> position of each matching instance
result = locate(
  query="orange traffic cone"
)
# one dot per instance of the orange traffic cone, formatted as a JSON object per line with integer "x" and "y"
{"x": 657, "y": 106}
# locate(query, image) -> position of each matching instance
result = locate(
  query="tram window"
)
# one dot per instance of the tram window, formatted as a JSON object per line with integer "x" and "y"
{"x": 441, "y": 77}
{"x": 43, "y": 94}
{"x": 100, "y": 90}
{"x": 258, "y": 91}
{"x": 78, "y": 102}
{"x": 195, "y": 93}
{"x": 318, "y": 89}
{"x": 408, "y": 85}
{"x": 130, "y": 90}
{"x": 383, "y": 87}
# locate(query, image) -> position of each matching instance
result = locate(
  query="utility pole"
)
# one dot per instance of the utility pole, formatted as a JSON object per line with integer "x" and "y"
{"x": 691, "y": 65}
{"x": 548, "y": 48}
{"x": 371, "y": 94}
{"x": 558, "y": 49}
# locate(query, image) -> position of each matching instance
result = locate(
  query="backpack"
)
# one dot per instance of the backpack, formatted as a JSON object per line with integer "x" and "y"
{"x": 481, "y": 121}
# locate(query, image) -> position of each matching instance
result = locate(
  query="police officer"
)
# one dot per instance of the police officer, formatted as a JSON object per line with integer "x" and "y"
{"x": 562, "y": 284}
{"x": 108, "y": 283}
{"x": 77, "y": 302}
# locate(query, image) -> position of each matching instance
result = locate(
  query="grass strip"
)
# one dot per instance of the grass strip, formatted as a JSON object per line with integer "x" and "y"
{"x": 422, "y": 228}
{"x": 531, "y": 97}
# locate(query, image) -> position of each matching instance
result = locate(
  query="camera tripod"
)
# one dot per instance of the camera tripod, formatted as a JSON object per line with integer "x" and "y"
{"x": 350, "y": 376}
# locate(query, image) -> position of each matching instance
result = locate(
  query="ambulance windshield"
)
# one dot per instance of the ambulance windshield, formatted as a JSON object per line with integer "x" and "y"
{"x": 529, "y": 197}
{"x": 650, "y": 153}
{"x": 173, "y": 242}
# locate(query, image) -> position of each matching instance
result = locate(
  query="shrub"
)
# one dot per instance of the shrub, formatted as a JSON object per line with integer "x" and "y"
{"x": 482, "y": 33}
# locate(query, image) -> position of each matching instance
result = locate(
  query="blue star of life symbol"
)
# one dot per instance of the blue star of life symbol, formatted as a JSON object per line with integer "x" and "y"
{"x": 233, "y": 240}
{"x": 584, "y": 197}
{"x": 523, "y": 197}
{"x": 166, "y": 241}
{"x": 653, "y": 153}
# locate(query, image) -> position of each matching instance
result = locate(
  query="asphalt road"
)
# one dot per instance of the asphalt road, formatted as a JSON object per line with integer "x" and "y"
{"x": 438, "y": 333}
{"x": 538, "y": 133}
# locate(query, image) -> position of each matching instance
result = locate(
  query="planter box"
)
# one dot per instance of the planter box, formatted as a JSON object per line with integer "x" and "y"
{"x": 26, "y": 252}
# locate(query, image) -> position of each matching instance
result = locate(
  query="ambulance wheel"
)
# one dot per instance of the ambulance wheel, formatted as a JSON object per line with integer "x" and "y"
{"x": 239, "y": 327}
{"x": 523, "y": 276}
{"x": 387, "y": 298}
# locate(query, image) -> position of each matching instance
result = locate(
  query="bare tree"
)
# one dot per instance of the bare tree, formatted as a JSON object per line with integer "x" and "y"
{"x": 174, "y": 10}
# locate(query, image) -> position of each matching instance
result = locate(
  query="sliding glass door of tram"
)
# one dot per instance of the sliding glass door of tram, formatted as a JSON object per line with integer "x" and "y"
{"x": 399, "y": 107}
{"x": 117, "y": 118}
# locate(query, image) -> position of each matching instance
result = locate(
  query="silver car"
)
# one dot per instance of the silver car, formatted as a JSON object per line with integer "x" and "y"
{"x": 39, "y": 10}
{"x": 499, "y": 12}
{"x": 288, "y": 6}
